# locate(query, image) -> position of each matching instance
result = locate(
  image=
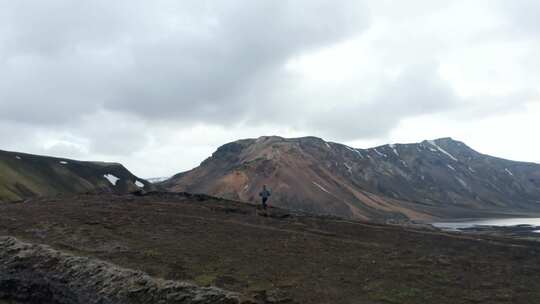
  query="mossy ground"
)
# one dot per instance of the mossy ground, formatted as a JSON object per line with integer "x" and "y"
{"x": 307, "y": 259}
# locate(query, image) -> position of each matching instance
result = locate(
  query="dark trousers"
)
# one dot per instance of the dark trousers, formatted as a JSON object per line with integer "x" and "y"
{"x": 264, "y": 199}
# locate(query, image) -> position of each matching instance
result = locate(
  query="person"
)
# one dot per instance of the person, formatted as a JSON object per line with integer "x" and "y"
{"x": 265, "y": 194}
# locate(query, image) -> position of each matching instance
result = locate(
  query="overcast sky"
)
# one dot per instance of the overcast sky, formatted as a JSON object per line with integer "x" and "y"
{"x": 159, "y": 85}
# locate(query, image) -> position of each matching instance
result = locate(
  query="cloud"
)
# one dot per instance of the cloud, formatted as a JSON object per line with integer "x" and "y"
{"x": 520, "y": 16}
{"x": 205, "y": 77}
{"x": 129, "y": 80}
{"x": 191, "y": 60}
{"x": 418, "y": 90}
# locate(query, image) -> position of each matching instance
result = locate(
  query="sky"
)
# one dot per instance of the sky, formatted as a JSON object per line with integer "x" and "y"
{"x": 159, "y": 85}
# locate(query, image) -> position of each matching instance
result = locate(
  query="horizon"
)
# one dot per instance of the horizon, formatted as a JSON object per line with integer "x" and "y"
{"x": 278, "y": 136}
{"x": 158, "y": 86}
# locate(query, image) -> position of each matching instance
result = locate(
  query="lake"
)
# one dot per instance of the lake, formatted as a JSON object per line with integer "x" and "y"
{"x": 508, "y": 222}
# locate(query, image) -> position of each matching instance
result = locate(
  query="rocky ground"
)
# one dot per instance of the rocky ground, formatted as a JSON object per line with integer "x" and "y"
{"x": 282, "y": 258}
{"x": 38, "y": 274}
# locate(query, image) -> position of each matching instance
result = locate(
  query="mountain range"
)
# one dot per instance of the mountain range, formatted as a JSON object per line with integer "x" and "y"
{"x": 433, "y": 179}
{"x": 110, "y": 245}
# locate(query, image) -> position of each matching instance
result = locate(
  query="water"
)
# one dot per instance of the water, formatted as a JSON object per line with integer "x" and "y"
{"x": 509, "y": 222}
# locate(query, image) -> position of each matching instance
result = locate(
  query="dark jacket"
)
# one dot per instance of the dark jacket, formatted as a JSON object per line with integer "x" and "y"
{"x": 265, "y": 193}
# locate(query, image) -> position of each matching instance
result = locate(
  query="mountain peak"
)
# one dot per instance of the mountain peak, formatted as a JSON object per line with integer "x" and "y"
{"x": 274, "y": 138}
{"x": 447, "y": 140}
{"x": 420, "y": 180}
{"x": 444, "y": 139}
{"x": 450, "y": 143}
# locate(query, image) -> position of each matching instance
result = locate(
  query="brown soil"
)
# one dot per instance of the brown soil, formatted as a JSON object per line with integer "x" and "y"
{"x": 305, "y": 259}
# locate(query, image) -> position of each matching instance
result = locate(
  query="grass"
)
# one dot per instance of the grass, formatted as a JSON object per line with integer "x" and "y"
{"x": 8, "y": 195}
{"x": 206, "y": 279}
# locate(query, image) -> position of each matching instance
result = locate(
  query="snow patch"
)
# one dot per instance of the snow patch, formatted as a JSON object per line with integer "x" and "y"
{"x": 349, "y": 168}
{"x": 139, "y": 184}
{"x": 18, "y": 157}
{"x": 63, "y": 162}
{"x": 433, "y": 143}
{"x": 472, "y": 170}
{"x": 321, "y": 187}
{"x": 452, "y": 168}
{"x": 327, "y": 145}
{"x": 355, "y": 151}
{"x": 462, "y": 182}
{"x": 111, "y": 178}
{"x": 509, "y": 172}
{"x": 393, "y": 146}
{"x": 379, "y": 153}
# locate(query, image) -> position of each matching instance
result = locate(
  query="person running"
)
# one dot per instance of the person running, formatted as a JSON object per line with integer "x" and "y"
{"x": 265, "y": 194}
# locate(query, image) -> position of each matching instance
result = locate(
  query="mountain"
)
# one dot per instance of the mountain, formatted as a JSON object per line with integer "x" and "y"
{"x": 155, "y": 180}
{"x": 25, "y": 175}
{"x": 441, "y": 178}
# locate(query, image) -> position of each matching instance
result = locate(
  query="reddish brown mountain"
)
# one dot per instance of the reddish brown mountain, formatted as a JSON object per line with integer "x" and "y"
{"x": 443, "y": 178}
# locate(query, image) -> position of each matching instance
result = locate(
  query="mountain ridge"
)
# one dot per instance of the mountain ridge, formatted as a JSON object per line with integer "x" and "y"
{"x": 431, "y": 179}
{"x": 24, "y": 175}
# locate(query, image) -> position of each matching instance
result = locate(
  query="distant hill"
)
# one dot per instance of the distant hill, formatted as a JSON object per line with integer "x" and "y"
{"x": 155, "y": 180}
{"x": 443, "y": 178}
{"x": 25, "y": 175}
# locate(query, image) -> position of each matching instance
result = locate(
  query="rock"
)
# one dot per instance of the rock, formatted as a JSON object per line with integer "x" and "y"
{"x": 39, "y": 274}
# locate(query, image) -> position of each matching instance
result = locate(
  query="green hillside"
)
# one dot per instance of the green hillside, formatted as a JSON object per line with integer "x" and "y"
{"x": 25, "y": 175}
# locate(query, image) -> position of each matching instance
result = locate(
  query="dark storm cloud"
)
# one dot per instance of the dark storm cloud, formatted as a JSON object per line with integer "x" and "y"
{"x": 205, "y": 75}
{"x": 55, "y": 60}
{"x": 189, "y": 61}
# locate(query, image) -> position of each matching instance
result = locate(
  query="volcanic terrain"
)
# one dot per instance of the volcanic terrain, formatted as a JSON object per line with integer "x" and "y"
{"x": 166, "y": 247}
{"x": 441, "y": 178}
